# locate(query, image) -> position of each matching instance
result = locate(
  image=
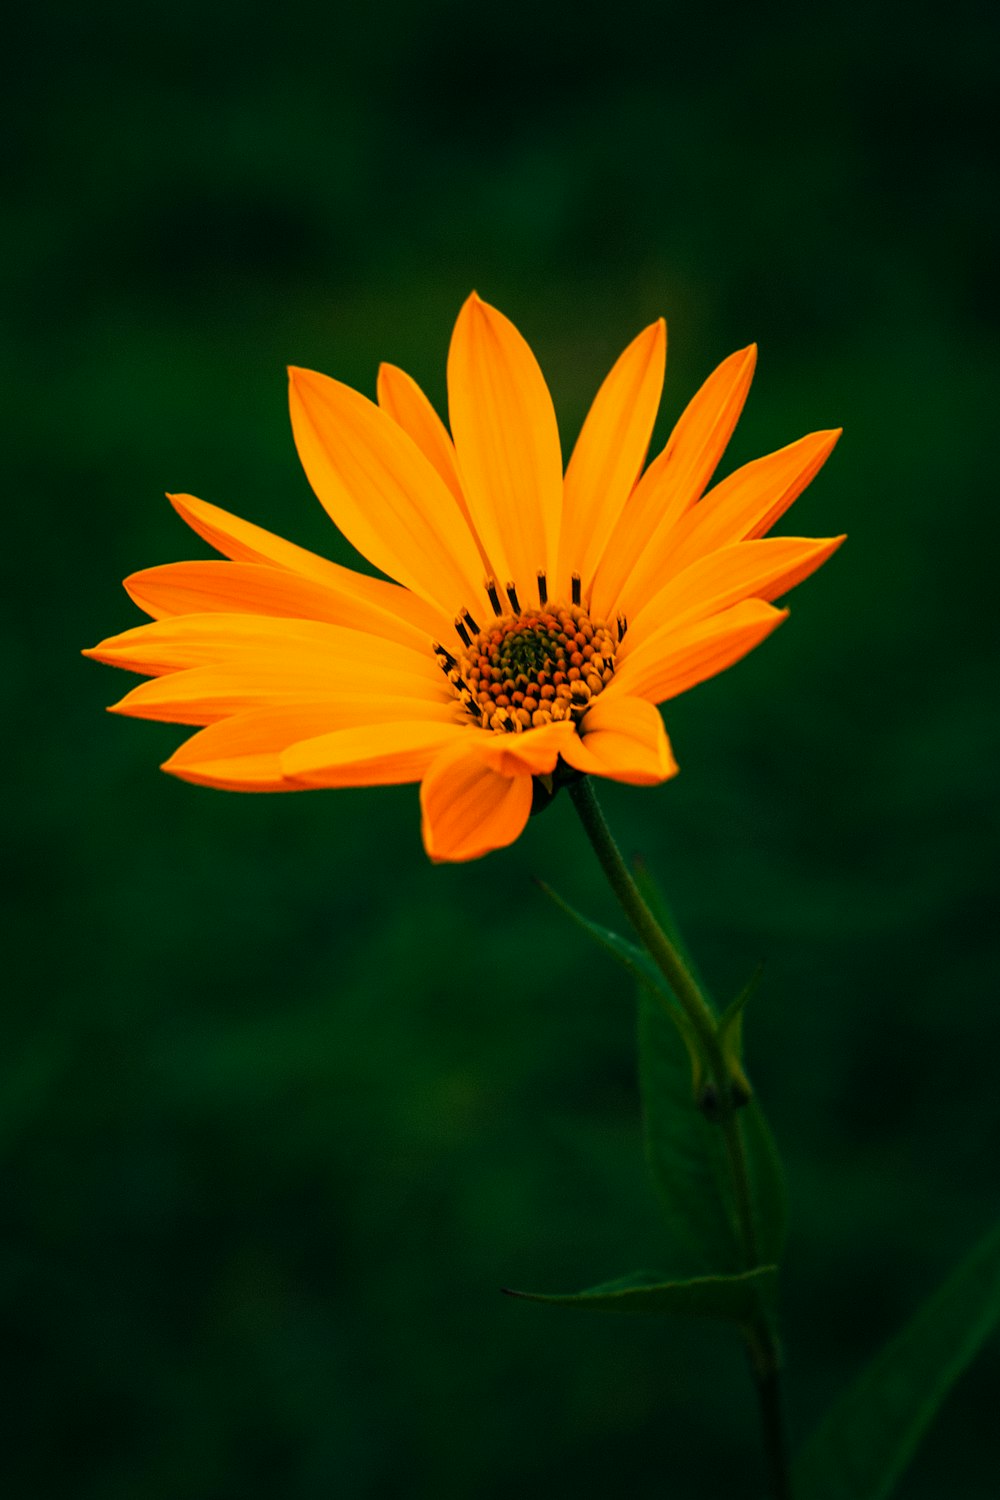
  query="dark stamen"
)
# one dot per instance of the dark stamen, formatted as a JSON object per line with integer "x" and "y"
{"x": 622, "y": 627}
{"x": 473, "y": 627}
{"x": 447, "y": 660}
{"x": 576, "y": 588}
{"x": 463, "y": 632}
{"x": 543, "y": 588}
{"x": 491, "y": 589}
{"x": 511, "y": 593}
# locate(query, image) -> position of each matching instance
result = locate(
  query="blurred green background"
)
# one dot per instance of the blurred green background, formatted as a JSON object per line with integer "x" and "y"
{"x": 283, "y": 1106}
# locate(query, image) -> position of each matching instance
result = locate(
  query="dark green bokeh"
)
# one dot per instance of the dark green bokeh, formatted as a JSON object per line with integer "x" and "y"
{"x": 283, "y": 1106}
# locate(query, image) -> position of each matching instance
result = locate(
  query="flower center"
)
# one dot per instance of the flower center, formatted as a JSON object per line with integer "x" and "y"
{"x": 533, "y": 667}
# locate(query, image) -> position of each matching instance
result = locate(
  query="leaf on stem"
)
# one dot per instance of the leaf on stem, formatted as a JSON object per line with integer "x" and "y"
{"x": 734, "y": 1299}
{"x": 638, "y": 964}
{"x": 864, "y": 1444}
{"x": 687, "y": 1157}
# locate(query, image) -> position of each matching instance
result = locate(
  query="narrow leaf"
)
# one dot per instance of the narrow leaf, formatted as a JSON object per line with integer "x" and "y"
{"x": 866, "y": 1441}
{"x": 734, "y": 1299}
{"x": 638, "y": 964}
{"x": 686, "y": 1154}
{"x": 767, "y": 1184}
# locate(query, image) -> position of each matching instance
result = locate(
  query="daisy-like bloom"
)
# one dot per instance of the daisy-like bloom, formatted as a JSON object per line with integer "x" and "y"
{"x": 535, "y": 620}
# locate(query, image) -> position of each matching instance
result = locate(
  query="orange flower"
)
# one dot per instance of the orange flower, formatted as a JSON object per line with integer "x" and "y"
{"x": 535, "y": 621}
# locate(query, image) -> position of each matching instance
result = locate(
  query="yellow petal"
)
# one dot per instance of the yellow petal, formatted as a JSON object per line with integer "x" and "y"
{"x": 382, "y": 493}
{"x": 747, "y": 503}
{"x": 468, "y": 808}
{"x": 672, "y": 484}
{"x": 610, "y": 453}
{"x": 622, "y": 738}
{"x": 671, "y": 661}
{"x": 743, "y": 570}
{"x": 243, "y": 753}
{"x": 377, "y": 755}
{"x": 244, "y": 542}
{"x": 508, "y": 445}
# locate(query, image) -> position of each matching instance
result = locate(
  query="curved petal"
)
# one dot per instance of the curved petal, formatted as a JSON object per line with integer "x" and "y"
{"x": 743, "y": 570}
{"x": 533, "y": 753}
{"x": 243, "y": 752}
{"x": 748, "y": 502}
{"x": 671, "y": 661}
{"x": 376, "y": 755}
{"x": 610, "y": 452}
{"x": 382, "y": 493}
{"x": 623, "y": 738}
{"x": 468, "y": 808}
{"x": 255, "y": 588}
{"x": 203, "y": 695}
{"x": 672, "y": 483}
{"x": 244, "y": 542}
{"x": 181, "y": 641}
{"x": 401, "y": 398}
{"x": 508, "y": 445}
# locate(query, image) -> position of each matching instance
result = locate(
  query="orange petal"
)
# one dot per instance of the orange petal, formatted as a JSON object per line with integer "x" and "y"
{"x": 670, "y": 662}
{"x": 672, "y": 483}
{"x": 622, "y": 738}
{"x": 243, "y": 753}
{"x": 401, "y": 398}
{"x": 533, "y": 753}
{"x": 244, "y": 542}
{"x": 469, "y": 809}
{"x": 508, "y": 445}
{"x": 377, "y": 755}
{"x": 404, "y": 401}
{"x": 254, "y": 588}
{"x": 382, "y": 493}
{"x": 744, "y": 570}
{"x": 747, "y": 503}
{"x": 610, "y": 452}
{"x": 203, "y": 695}
{"x": 181, "y": 641}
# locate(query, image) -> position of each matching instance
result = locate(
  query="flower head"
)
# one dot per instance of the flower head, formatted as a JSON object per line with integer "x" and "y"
{"x": 535, "y": 620}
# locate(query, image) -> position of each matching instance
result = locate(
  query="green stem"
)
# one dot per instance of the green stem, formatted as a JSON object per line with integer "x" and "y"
{"x": 762, "y": 1345}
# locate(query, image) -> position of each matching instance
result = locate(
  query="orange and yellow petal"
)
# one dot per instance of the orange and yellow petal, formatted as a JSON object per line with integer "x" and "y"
{"x": 377, "y": 599}
{"x": 372, "y": 755}
{"x": 748, "y": 503}
{"x": 672, "y": 484}
{"x": 505, "y": 433}
{"x": 669, "y": 662}
{"x": 610, "y": 453}
{"x": 468, "y": 808}
{"x": 242, "y": 752}
{"x": 382, "y": 493}
{"x": 744, "y": 570}
{"x": 622, "y": 738}
{"x": 254, "y": 588}
{"x": 178, "y": 642}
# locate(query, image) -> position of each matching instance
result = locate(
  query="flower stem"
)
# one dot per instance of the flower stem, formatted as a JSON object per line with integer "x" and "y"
{"x": 762, "y": 1345}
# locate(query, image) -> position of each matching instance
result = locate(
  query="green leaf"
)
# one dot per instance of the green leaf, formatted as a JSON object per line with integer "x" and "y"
{"x": 734, "y": 1299}
{"x": 687, "y": 1157}
{"x": 866, "y": 1441}
{"x": 686, "y": 1154}
{"x": 638, "y": 964}
{"x": 730, "y": 1029}
{"x": 767, "y": 1184}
